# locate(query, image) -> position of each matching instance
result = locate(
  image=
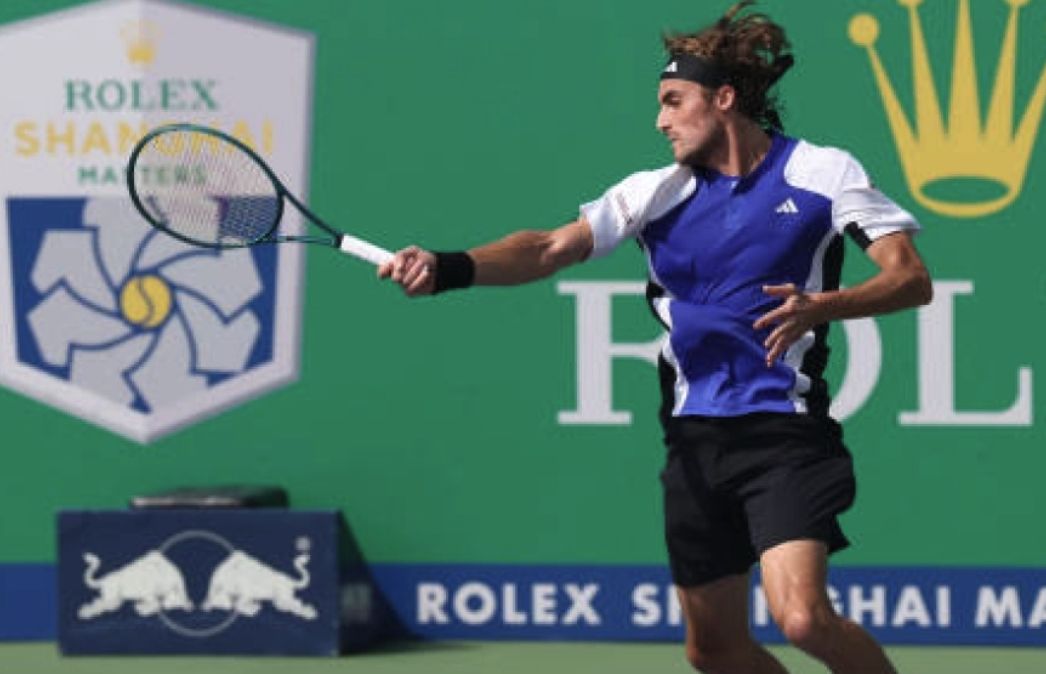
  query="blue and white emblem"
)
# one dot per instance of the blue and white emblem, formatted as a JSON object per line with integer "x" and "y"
{"x": 122, "y": 317}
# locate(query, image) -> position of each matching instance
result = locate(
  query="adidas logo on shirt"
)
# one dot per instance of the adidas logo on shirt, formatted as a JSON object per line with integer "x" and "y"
{"x": 787, "y": 206}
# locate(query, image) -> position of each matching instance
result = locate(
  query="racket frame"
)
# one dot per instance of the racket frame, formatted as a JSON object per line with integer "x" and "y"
{"x": 281, "y": 193}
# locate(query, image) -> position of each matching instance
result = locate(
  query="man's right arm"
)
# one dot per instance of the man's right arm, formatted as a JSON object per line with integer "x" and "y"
{"x": 518, "y": 258}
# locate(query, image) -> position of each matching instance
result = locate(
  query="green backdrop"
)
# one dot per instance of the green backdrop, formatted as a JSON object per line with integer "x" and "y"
{"x": 433, "y": 423}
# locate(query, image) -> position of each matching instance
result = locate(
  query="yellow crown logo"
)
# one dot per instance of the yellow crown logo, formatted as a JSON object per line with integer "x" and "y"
{"x": 966, "y": 147}
{"x": 140, "y": 41}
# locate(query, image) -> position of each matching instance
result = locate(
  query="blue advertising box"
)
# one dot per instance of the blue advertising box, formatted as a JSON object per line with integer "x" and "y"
{"x": 227, "y": 581}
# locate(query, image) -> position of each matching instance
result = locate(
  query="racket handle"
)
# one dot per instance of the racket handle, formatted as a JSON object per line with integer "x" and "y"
{"x": 363, "y": 250}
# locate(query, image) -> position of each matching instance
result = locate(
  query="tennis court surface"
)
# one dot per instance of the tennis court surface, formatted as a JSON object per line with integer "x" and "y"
{"x": 504, "y": 658}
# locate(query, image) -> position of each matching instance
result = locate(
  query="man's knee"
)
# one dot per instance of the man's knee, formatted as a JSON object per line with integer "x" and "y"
{"x": 807, "y": 628}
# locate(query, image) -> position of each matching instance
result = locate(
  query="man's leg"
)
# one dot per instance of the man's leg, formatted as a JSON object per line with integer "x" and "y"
{"x": 717, "y": 637}
{"x": 794, "y": 578}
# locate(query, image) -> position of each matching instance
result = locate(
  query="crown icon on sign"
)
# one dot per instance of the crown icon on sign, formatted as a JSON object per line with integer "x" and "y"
{"x": 140, "y": 41}
{"x": 966, "y": 147}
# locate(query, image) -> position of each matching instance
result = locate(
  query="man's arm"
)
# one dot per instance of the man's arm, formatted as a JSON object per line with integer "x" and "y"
{"x": 902, "y": 282}
{"x": 518, "y": 258}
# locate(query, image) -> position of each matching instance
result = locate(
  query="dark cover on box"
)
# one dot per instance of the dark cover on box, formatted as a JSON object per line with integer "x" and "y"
{"x": 226, "y": 496}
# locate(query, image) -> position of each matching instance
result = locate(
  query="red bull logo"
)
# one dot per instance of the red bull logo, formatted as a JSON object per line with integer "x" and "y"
{"x": 240, "y": 585}
{"x": 217, "y": 581}
{"x": 152, "y": 583}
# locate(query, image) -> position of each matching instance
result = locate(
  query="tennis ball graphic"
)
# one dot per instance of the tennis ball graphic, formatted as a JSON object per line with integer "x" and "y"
{"x": 145, "y": 301}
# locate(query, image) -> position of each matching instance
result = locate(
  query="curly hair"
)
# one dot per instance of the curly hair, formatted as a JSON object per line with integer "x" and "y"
{"x": 752, "y": 49}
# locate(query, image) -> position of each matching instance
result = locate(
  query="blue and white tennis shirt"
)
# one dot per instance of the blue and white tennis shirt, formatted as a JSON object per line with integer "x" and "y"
{"x": 713, "y": 241}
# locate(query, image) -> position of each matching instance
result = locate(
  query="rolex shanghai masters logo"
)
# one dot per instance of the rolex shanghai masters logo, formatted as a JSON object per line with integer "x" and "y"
{"x": 102, "y": 316}
{"x": 959, "y": 162}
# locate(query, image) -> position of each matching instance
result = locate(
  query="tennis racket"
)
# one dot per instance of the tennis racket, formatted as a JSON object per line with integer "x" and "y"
{"x": 209, "y": 189}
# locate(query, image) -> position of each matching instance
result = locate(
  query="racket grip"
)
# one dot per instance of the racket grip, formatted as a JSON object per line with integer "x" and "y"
{"x": 363, "y": 250}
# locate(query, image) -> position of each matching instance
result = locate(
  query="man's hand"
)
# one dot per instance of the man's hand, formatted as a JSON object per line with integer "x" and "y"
{"x": 413, "y": 269}
{"x": 797, "y": 314}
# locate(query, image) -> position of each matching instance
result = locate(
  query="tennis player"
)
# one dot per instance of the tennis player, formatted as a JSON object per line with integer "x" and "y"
{"x": 744, "y": 236}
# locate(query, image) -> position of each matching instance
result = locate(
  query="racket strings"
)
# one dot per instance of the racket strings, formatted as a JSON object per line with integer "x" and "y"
{"x": 204, "y": 188}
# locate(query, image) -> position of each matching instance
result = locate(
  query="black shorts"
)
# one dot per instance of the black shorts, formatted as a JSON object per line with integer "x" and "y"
{"x": 737, "y": 486}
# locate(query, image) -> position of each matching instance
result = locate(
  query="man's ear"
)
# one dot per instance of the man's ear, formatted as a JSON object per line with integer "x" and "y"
{"x": 725, "y": 97}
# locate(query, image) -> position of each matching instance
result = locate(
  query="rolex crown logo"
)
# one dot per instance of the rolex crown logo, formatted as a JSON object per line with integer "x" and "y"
{"x": 140, "y": 41}
{"x": 938, "y": 153}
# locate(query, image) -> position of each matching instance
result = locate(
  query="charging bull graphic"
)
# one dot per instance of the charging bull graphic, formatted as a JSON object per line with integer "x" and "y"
{"x": 240, "y": 583}
{"x": 210, "y": 581}
{"x": 185, "y": 574}
{"x": 152, "y": 582}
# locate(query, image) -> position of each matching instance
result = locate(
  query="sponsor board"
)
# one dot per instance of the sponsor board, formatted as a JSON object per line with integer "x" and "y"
{"x": 104, "y": 317}
{"x": 899, "y": 605}
{"x": 245, "y": 581}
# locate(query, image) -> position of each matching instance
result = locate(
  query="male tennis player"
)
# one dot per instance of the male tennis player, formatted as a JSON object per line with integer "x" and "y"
{"x": 743, "y": 235}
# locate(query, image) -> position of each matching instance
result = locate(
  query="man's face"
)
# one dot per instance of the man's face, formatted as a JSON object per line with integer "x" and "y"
{"x": 690, "y": 119}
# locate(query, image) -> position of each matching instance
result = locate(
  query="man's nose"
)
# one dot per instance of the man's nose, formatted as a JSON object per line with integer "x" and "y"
{"x": 662, "y": 122}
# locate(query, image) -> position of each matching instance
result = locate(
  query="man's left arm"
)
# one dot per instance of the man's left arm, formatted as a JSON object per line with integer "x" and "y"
{"x": 902, "y": 282}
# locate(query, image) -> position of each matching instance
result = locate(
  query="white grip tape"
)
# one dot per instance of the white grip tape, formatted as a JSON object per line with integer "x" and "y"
{"x": 363, "y": 250}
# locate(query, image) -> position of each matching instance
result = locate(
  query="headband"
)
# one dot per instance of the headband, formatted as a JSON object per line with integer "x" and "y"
{"x": 683, "y": 66}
